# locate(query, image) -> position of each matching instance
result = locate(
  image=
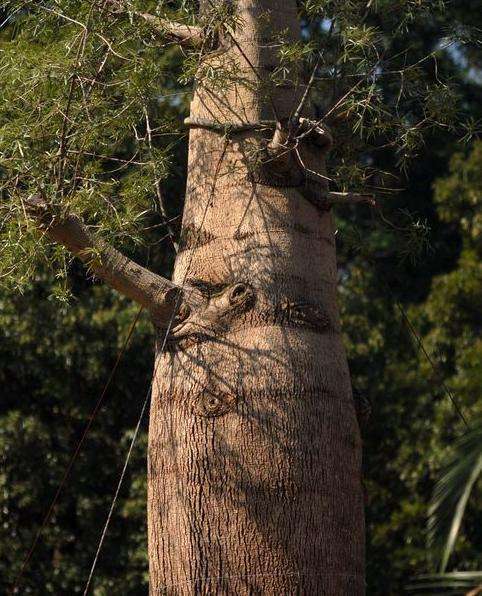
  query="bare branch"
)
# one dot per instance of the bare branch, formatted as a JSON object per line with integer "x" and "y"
{"x": 343, "y": 198}
{"x": 188, "y": 35}
{"x": 307, "y": 92}
{"x": 157, "y": 185}
{"x": 317, "y": 133}
{"x": 157, "y": 294}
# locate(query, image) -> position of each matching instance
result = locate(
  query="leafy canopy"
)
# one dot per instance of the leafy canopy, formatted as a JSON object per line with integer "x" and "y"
{"x": 90, "y": 96}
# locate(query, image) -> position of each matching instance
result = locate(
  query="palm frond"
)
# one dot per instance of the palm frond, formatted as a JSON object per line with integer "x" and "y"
{"x": 452, "y": 493}
{"x": 457, "y": 583}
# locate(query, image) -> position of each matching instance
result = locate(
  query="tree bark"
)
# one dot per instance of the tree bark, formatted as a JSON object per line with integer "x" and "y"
{"x": 254, "y": 481}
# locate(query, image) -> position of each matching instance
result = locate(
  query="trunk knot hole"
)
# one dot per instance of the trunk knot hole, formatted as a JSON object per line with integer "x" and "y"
{"x": 211, "y": 405}
{"x": 240, "y": 293}
{"x": 222, "y": 305}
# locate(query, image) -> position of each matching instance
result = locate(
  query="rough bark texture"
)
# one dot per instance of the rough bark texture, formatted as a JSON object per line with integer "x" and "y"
{"x": 254, "y": 449}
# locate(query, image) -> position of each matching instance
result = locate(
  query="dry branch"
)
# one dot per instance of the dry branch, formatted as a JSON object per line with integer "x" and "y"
{"x": 188, "y": 35}
{"x": 157, "y": 294}
{"x": 344, "y": 198}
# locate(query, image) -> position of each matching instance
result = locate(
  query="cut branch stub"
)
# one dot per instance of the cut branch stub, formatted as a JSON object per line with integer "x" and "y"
{"x": 315, "y": 133}
{"x": 223, "y": 304}
{"x": 155, "y": 293}
{"x": 280, "y": 163}
{"x": 290, "y": 134}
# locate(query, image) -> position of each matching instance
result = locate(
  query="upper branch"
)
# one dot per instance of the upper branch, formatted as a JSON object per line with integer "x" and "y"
{"x": 188, "y": 35}
{"x": 344, "y": 198}
{"x": 157, "y": 294}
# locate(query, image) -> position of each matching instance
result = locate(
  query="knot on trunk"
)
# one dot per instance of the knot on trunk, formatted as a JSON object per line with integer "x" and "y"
{"x": 212, "y": 403}
{"x": 222, "y": 304}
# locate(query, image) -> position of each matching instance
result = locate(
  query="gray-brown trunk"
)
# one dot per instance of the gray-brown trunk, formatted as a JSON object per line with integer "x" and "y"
{"x": 254, "y": 449}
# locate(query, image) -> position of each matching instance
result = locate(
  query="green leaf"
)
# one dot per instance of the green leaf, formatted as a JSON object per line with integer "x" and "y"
{"x": 453, "y": 584}
{"x": 452, "y": 493}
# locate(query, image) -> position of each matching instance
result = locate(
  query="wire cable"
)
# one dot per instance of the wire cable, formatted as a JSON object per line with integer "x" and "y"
{"x": 126, "y": 462}
{"x": 432, "y": 363}
{"x": 146, "y": 400}
{"x": 75, "y": 454}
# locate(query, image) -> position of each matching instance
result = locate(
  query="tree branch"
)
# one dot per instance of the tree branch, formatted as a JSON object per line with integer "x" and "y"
{"x": 188, "y": 35}
{"x": 157, "y": 294}
{"x": 344, "y": 198}
{"x": 317, "y": 133}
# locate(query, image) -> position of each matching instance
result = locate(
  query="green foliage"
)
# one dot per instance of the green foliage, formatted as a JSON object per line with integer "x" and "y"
{"x": 459, "y": 197}
{"x": 415, "y": 427}
{"x": 388, "y": 88}
{"x": 459, "y": 583}
{"x": 54, "y": 362}
{"x": 87, "y": 119}
{"x": 88, "y": 116}
{"x": 456, "y": 302}
{"x": 452, "y": 493}
{"x": 109, "y": 88}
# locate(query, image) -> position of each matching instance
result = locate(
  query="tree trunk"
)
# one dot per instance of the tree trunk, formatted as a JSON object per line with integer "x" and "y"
{"x": 254, "y": 449}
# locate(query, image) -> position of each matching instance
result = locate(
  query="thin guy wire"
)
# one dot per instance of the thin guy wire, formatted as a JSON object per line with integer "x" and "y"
{"x": 74, "y": 456}
{"x": 421, "y": 345}
{"x": 136, "y": 432}
{"x": 126, "y": 462}
{"x": 435, "y": 368}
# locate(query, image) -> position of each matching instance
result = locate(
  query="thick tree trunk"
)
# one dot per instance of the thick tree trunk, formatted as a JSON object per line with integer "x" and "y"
{"x": 254, "y": 449}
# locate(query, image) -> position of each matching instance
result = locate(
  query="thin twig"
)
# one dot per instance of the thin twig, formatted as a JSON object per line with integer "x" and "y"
{"x": 307, "y": 92}
{"x": 157, "y": 185}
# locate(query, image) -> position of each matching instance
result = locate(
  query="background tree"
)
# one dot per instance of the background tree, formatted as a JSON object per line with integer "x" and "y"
{"x": 397, "y": 486}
